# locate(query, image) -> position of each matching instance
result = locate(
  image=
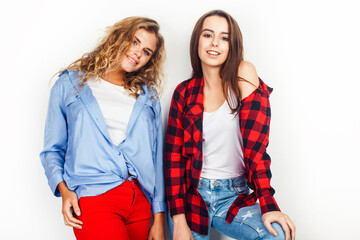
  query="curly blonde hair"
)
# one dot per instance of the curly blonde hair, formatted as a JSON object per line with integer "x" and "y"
{"x": 105, "y": 57}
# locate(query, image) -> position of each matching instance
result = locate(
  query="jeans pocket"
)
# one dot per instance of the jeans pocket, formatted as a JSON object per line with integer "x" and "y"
{"x": 240, "y": 186}
{"x": 241, "y": 189}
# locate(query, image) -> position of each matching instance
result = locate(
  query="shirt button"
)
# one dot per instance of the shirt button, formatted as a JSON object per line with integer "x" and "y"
{"x": 119, "y": 153}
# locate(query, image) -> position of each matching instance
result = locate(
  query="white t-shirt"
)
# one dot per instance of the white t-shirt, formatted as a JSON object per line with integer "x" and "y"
{"x": 116, "y": 106}
{"x": 222, "y": 145}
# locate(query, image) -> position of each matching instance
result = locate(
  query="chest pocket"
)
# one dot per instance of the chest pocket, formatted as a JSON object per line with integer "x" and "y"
{"x": 74, "y": 106}
{"x": 148, "y": 112}
{"x": 192, "y": 130}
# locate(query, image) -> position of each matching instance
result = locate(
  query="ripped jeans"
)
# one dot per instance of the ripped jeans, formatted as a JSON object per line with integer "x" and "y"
{"x": 218, "y": 195}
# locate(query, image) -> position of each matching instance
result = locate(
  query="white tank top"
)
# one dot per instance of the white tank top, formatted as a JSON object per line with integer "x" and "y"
{"x": 222, "y": 145}
{"x": 116, "y": 106}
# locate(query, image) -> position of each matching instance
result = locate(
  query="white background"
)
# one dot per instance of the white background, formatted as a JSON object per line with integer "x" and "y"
{"x": 308, "y": 51}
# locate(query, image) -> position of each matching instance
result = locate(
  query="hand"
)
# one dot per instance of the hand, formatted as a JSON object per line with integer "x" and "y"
{"x": 281, "y": 218}
{"x": 181, "y": 228}
{"x": 69, "y": 200}
{"x": 157, "y": 229}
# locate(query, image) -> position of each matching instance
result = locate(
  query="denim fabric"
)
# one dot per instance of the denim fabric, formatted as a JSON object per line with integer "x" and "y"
{"x": 218, "y": 195}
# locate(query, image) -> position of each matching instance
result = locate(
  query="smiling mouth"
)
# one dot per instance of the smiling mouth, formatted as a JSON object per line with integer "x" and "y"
{"x": 132, "y": 60}
{"x": 213, "y": 53}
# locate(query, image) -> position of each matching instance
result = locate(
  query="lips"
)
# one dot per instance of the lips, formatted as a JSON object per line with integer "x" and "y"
{"x": 213, "y": 53}
{"x": 133, "y": 60}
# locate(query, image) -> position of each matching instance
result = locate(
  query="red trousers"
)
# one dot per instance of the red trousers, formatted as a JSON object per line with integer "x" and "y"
{"x": 121, "y": 213}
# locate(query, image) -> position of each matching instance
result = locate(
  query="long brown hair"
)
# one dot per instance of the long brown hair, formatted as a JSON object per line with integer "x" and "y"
{"x": 105, "y": 57}
{"x": 229, "y": 70}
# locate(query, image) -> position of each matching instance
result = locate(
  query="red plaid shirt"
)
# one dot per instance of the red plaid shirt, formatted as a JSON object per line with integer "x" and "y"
{"x": 183, "y": 153}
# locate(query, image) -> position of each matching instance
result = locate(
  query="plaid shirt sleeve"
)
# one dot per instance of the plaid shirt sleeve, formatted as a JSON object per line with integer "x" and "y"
{"x": 175, "y": 163}
{"x": 256, "y": 114}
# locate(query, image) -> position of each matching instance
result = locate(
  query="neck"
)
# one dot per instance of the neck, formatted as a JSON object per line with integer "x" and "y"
{"x": 212, "y": 77}
{"x": 115, "y": 77}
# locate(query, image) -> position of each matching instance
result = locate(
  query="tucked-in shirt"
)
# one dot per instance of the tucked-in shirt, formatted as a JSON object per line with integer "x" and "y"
{"x": 116, "y": 106}
{"x": 222, "y": 145}
{"x": 78, "y": 148}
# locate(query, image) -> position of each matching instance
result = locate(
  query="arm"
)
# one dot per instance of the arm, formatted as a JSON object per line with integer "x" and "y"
{"x": 259, "y": 160}
{"x": 55, "y": 139}
{"x": 158, "y": 202}
{"x": 53, "y": 155}
{"x": 181, "y": 228}
{"x": 69, "y": 200}
{"x": 255, "y": 116}
{"x": 175, "y": 165}
{"x": 157, "y": 229}
{"x": 261, "y": 179}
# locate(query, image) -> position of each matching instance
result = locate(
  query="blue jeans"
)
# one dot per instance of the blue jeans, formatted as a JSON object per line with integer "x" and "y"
{"x": 219, "y": 195}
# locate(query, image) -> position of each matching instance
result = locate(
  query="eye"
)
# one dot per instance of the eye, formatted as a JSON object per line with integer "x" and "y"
{"x": 147, "y": 53}
{"x": 206, "y": 35}
{"x": 225, "y": 38}
{"x": 134, "y": 42}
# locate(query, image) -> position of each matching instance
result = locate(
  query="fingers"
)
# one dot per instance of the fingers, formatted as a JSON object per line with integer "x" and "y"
{"x": 288, "y": 227}
{"x": 76, "y": 208}
{"x": 292, "y": 227}
{"x": 151, "y": 236}
{"x": 71, "y": 224}
{"x": 285, "y": 222}
{"x": 69, "y": 219}
{"x": 285, "y": 227}
{"x": 270, "y": 228}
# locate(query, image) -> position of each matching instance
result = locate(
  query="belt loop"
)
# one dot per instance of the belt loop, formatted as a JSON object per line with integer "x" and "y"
{"x": 231, "y": 184}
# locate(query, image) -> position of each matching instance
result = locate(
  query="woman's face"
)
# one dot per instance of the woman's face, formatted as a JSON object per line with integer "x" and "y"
{"x": 140, "y": 51}
{"x": 214, "y": 42}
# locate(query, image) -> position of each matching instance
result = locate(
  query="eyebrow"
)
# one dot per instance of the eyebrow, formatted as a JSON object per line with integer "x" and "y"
{"x": 149, "y": 49}
{"x": 206, "y": 29}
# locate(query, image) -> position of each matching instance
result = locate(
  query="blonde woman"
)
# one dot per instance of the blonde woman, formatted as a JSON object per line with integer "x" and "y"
{"x": 103, "y": 136}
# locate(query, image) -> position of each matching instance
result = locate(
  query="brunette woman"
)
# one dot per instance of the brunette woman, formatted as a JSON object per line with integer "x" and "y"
{"x": 103, "y": 136}
{"x": 216, "y": 141}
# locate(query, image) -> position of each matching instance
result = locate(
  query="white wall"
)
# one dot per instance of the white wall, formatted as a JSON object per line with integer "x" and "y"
{"x": 307, "y": 50}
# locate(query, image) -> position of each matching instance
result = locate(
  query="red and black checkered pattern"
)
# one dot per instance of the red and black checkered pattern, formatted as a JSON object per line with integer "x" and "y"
{"x": 183, "y": 153}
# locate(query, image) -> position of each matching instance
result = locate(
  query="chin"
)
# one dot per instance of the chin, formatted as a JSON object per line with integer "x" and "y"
{"x": 129, "y": 68}
{"x": 214, "y": 64}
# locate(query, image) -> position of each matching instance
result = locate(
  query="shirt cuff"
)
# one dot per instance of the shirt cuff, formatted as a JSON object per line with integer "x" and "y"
{"x": 176, "y": 206}
{"x": 268, "y": 204}
{"x": 158, "y": 206}
{"x": 54, "y": 182}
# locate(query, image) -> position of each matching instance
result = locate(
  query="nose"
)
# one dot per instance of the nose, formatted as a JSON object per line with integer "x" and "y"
{"x": 137, "y": 52}
{"x": 214, "y": 42}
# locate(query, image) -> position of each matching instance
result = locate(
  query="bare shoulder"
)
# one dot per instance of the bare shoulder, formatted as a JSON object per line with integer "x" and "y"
{"x": 248, "y": 72}
{"x": 248, "y": 80}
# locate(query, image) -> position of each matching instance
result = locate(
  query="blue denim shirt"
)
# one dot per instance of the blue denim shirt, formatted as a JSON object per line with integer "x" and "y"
{"x": 78, "y": 148}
